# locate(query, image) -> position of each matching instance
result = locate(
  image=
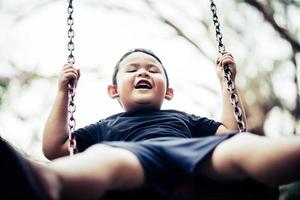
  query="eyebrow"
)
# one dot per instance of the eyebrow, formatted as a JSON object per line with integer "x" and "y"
{"x": 137, "y": 65}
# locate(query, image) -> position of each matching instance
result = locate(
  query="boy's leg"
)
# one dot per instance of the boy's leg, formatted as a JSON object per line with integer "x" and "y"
{"x": 272, "y": 161}
{"x": 90, "y": 174}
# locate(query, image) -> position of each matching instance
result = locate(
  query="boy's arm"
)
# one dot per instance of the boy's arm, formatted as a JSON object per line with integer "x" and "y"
{"x": 227, "y": 115}
{"x": 55, "y": 136}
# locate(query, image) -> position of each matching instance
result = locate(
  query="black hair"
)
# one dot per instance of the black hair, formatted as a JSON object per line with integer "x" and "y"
{"x": 146, "y": 51}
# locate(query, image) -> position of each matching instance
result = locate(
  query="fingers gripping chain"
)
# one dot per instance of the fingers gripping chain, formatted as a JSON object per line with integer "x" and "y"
{"x": 71, "y": 60}
{"x": 227, "y": 73}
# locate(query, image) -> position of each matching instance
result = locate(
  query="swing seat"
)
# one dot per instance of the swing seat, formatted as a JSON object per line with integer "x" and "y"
{"x": 205, "y": 189}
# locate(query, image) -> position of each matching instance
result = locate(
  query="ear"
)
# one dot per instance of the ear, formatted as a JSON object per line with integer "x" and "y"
{"x": 169, "y": 94}
{"x": 112, "y": 91}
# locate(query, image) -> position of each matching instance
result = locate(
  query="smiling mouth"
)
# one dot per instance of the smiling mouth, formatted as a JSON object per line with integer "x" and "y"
{"x": 143, "y": 85}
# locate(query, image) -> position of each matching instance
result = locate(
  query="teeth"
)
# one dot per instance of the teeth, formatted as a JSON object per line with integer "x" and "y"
{"x": 143, "y": 85}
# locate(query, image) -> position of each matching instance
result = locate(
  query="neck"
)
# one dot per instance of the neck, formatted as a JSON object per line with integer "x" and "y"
{"x": 142, "y": 110}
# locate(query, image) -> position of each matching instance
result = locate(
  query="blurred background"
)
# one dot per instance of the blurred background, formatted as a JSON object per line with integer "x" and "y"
{"x": 262, "y": 35}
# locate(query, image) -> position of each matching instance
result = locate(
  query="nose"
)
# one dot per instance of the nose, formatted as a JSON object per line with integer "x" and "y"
{"x": 143, "y": 73}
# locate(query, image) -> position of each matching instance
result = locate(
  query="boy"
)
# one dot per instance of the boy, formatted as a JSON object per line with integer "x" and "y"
{"x": 148, "y": 146}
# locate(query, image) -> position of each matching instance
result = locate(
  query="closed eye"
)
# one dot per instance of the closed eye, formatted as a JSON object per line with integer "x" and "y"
{"x": 132, "y": 70}
{"x": 153, "y": 71}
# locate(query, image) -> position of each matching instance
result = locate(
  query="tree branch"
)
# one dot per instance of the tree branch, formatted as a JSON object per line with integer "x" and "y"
{"x": 178, "y": 31}
{"x": 268, "y": 13}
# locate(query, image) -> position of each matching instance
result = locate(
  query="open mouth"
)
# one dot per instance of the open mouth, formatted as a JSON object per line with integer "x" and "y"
{"x": 143, "y": 84}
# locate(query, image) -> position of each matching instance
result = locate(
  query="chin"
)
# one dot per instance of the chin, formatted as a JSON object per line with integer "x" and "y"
{"x": 143, "y": 99}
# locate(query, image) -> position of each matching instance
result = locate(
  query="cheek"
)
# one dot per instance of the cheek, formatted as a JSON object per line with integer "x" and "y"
{"x": 161, "y": 85}
{"x": 124, "y": 83}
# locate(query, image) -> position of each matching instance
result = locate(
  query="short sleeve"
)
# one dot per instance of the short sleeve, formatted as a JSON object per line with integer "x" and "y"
{"x": 88, "y": 136}
{"x": 202, "y": 126}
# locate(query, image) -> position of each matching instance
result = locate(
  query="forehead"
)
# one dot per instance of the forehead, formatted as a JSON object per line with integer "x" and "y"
{"x": 140, "y": 58}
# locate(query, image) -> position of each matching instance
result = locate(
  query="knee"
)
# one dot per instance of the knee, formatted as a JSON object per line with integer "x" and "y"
{"x": 241, "y": 147}
{"x": 235, "y": 148}
{"x": 242, "y": 139}
{"x": 122, "y": 167}
{"x": 107, "y": 157}
{"x": 100, "y": 149}
{"x": 113, "y": 155}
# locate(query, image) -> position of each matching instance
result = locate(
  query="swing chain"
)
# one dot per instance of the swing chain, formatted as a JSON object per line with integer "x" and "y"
{"x": 227, "y": 73}
{"x": 71, "y": 58}
{"x": 72, "y": 121}
{"x": 71, "y": 85}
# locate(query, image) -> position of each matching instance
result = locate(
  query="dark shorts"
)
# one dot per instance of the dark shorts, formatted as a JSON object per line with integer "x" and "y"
{"x": 171, "y": 160}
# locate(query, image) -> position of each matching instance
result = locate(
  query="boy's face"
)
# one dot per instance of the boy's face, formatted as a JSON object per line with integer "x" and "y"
{"x": 141, "y": 83}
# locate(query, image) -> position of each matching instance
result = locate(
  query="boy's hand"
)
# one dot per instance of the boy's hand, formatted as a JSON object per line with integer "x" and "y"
{"x": 68, "y": 74}
{"x": 226, "y": 59}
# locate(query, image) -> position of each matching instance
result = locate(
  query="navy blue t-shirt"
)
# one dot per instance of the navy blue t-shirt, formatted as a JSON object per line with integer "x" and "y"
{"x": 142, "y": 126}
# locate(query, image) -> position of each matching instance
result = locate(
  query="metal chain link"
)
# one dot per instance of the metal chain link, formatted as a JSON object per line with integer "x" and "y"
{"x": 227, "y": 73}
{"x": 71, "y": 85}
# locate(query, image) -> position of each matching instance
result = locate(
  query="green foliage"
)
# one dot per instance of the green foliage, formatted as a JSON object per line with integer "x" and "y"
{"x": 290, "y": 191}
